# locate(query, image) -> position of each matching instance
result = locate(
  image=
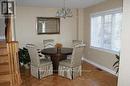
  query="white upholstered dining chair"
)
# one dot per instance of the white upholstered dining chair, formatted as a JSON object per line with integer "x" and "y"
{"x": 39, "y": 67}
{"x": 41, "y": 56}
{"x": 49, "y": 43}
{"x": 76, "y": 42}
{"x": 71, "y": 68}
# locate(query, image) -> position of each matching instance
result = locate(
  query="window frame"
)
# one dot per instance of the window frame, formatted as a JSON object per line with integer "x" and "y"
{"x": 102, "y": 13}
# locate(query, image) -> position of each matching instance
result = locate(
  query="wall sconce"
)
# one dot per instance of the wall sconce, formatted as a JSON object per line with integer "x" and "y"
{"x": 7, "y": 7}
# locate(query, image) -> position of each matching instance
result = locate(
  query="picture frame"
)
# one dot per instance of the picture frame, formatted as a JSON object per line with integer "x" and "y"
{"x": 7, "y": 7}
{"x": 48, "y": 25}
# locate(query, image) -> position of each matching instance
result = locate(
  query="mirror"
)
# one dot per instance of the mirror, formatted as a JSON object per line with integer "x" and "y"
{"x": 47, "y": 25}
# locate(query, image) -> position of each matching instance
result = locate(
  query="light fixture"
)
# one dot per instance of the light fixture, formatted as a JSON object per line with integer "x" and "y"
{"x": 64, "y": 12}
{"x": 7, "y": 7}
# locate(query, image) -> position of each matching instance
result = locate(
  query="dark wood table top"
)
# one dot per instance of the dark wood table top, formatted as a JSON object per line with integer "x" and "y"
{"x": 57, "y": 55}
{"x": 53, "y": 51}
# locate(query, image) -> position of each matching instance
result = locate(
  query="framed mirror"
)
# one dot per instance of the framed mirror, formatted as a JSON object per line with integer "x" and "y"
{"x": 48, "y": 25}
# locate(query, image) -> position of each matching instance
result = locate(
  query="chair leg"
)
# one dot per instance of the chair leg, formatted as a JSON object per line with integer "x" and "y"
{"x": 69, "y": 72}
{"x": 76, "y": 71}
{"x": 46, "y": 71}
{"x": 34, "y": 71}
{"x": 64, "y": 72}
{"x": 41, "y": 72}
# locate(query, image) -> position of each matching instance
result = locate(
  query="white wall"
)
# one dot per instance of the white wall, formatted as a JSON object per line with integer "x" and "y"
{"x": 26, "y": 26}
{"x": 124, "y": 73}
{"x": 2, "y": 26}
{"x": 80, "y": 25}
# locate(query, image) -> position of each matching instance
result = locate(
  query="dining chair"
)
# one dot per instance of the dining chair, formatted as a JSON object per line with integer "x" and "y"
{"x": 39, "y": 67}
{"x": 49, "y": 43}
{"x": 71, "y": 68}
{"x": 76, "y": 42}
{"x": 38, "y": 50}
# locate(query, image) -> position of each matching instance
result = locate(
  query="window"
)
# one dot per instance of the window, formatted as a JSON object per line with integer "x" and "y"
{"x": 105, "y": 30}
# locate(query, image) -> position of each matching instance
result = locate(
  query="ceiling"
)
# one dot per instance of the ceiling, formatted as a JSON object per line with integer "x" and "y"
{"x": 58, "y": 3}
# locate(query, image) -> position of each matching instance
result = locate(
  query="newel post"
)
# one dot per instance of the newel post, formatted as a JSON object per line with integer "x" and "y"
{"x": 8, "y": 29}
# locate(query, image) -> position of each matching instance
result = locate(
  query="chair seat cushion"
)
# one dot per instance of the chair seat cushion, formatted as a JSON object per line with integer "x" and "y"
{"x": 66, "y": 62}
{"x": 45, "y": 62}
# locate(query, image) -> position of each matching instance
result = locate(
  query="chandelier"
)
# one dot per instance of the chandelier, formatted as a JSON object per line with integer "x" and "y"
{"x": 64, "y": 12}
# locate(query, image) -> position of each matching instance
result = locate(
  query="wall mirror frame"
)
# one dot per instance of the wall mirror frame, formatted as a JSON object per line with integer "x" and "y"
{"x": 48, "y": 25}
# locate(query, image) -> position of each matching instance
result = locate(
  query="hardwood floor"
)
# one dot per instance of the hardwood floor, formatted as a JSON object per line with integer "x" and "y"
{"x": 91, "y": 76}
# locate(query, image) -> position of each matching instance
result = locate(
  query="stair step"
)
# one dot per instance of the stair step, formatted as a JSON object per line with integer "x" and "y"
{"x": 4, "y": 58}
{"x": 5, "y": 54}
{"x": 3, "y": 44}
{"x": 4, "y": 73}
{"x": 4, "y": 67}
{"x": 5, "y": 84}
{"x": 3, "y": 51}
{"x": 5, "y": 78}
{"x": 5, "y": 63}
{"x": 3, "y": 47}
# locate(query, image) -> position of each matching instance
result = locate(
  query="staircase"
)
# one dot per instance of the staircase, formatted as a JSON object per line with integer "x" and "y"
{"x": 9, "y": 71}
{"x": 4, "y": 65}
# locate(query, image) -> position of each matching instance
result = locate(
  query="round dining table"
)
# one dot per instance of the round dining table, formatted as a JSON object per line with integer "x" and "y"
{"x": 56, "y": 55}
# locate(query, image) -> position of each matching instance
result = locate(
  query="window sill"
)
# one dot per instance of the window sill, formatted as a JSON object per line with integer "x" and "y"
{"x": 104, "y": 50}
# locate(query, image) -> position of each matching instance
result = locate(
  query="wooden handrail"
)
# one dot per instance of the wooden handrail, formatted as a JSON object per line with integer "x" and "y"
{"x": 12, "y": 42}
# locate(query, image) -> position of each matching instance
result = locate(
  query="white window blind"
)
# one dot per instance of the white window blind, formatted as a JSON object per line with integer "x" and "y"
{"x": 105, "y": 30}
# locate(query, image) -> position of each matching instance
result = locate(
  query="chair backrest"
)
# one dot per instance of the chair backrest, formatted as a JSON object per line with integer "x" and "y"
{"x": 32, "y": 49}
{"x": 77, "y": 55}
{"x": 76, "y": 42}
{"x": 49, "y": 43}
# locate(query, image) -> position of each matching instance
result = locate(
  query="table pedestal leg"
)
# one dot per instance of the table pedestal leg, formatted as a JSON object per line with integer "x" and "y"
{"x": 55, "y": 62}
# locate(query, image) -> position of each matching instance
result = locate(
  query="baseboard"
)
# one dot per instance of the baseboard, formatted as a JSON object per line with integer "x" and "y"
{"x": 100, "y": 66}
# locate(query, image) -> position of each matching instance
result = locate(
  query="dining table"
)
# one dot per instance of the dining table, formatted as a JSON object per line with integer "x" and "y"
{"x": 56, "y": 55}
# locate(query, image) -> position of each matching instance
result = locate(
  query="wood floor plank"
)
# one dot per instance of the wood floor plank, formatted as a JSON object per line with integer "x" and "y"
{"x": 91, "y": 76}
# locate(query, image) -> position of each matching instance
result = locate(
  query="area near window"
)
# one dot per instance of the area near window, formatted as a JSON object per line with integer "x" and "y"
{"x": 105, "y": 30}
